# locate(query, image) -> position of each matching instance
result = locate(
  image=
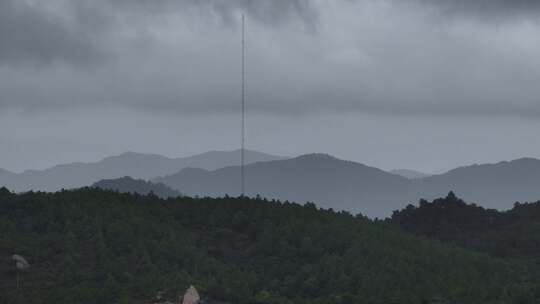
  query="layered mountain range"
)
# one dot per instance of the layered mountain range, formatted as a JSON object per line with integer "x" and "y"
{"x": 351, "y": 186}
{"x": 328, "y": 181}
{"x": 136, "y": 165}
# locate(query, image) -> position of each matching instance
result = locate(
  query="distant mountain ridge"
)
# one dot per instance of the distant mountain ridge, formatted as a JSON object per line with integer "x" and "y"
{"x": 320, "y": 178}
{"x": 136, "y": 165}
{"x": 410, "y": 174}
{"x": 496, "y": 185}
{"x": 346, "y": 185}
{"x": 130, "y": 185}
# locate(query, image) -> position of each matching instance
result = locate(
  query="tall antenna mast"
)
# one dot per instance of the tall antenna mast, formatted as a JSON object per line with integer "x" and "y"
{"x": 242, "y": 150}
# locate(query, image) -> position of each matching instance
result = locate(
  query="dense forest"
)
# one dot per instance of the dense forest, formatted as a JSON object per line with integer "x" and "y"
{"x": 99, "y": 246}
{"x": 514, "y": 233}
{"x": 128, "y": 184}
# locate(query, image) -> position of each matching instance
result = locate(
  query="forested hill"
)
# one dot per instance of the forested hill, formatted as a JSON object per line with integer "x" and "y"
{"x": 128, "y": 184}
{"x": 97, "y": 246}
{"x": 514, "y": 233}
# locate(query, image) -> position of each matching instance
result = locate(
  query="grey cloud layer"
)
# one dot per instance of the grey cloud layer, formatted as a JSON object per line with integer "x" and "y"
{"x": 29, "y": 34}
{"x": 498, "y": 9}
{"x": 183, "y": 56}
{"x": 73, "y": 31}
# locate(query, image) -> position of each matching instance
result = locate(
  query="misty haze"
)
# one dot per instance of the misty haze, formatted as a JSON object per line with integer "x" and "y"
{"x": 270, "y": 151}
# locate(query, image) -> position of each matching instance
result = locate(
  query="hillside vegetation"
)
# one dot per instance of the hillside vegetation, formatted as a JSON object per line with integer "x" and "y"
{"x": 97, "y": 246}
{"x": 508, "y": 234}
{"x": 128, "y": 184}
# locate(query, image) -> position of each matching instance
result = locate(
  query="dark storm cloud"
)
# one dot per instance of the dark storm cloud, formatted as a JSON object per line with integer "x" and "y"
{"x": 303, "y": 56}
{"x": 78, "y": 31}
{"x": 491, "y": 9}
{"x": 272, "y": 12}
{"x": 30, "y": 34}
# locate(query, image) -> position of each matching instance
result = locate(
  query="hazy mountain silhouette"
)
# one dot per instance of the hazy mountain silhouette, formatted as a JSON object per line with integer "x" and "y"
{"x": 490, "y": 185}
{"x": 137, "y": 165}
{"x": 410, "y": 174}
{"x": 128, "y": 184}
{"x": 323, "y": 179}
{"x": 339, "y": 184}
{"x": 328, "y": 181}
{"x": 6, "y": 176}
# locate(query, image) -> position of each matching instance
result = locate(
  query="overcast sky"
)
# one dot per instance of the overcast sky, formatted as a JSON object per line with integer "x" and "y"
{"x": 421, "y": 84}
